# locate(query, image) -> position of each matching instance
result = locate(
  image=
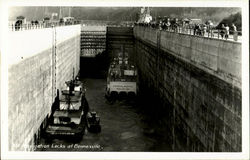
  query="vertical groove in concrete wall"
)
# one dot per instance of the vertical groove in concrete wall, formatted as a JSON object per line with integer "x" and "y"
{"x": 203, "y": 107}
{"x": 30, "y": 78}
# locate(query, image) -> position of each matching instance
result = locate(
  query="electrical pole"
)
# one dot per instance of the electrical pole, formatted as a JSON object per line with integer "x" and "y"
{"x": 60, "y": 12}
{"x": 69, "y": 11}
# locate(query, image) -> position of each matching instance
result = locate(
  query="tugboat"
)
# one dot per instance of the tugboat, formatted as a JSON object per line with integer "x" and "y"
{"x": 68, "y": 121}
{"x": 93, "y": 122}
{"x": 122, "y": 78}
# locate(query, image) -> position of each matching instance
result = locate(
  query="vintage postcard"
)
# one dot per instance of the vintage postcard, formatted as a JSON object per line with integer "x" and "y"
{"x": 125, "y": 79}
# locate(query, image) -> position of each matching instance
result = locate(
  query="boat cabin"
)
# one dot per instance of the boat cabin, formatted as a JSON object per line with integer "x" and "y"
{"x": 67, "y": 117}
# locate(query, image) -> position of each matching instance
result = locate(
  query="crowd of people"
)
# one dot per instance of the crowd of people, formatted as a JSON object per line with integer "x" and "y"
{"x": 22, "y": 24}
{"x": 165, "y": 24}
{"x": 187, "y": 26}
{"x": 225, "y": 31}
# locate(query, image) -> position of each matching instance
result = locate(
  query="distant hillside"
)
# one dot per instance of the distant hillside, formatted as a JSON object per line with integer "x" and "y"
{"x": 215, "y": 14}
{"x": 110, "y": 13}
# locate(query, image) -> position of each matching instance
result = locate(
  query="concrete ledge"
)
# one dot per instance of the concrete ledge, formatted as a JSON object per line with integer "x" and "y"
{"x": 219, "y": 57}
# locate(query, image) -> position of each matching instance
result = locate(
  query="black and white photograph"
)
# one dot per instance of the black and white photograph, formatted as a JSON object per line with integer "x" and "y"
{"x": 162, "y": 80}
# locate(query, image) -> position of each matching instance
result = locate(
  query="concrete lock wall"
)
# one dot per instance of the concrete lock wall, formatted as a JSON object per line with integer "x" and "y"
{"x": 198, "y": 82}
{"x": 40, "y": 62}
{"x": 218, "y": 57}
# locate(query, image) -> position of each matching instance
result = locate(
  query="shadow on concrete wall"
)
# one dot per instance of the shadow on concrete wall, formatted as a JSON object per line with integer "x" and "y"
{"x": 95, "y": 67}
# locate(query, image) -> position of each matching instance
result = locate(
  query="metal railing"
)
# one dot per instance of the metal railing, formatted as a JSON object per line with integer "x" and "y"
{"x": 29, "y": 26}
{"x": 209, "y": 32}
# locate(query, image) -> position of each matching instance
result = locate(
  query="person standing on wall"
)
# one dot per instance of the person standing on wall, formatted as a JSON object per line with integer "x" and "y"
{"x": 195, "y": 28}
{"x": 226, "y": 31}
{"x": 222, "y": 32}
{"x": 235, "y": 33}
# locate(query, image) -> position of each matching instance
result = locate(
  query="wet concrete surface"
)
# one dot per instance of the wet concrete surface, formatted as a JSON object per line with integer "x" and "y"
{"x": 124, "y": 127}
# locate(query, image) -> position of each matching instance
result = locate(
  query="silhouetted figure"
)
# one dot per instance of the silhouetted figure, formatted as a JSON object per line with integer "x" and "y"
{"x": 196, "y": 28}
{"x": 18, "y": 25}
{"x": 36, "y": 22}
{"x": 222, "y": 32}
